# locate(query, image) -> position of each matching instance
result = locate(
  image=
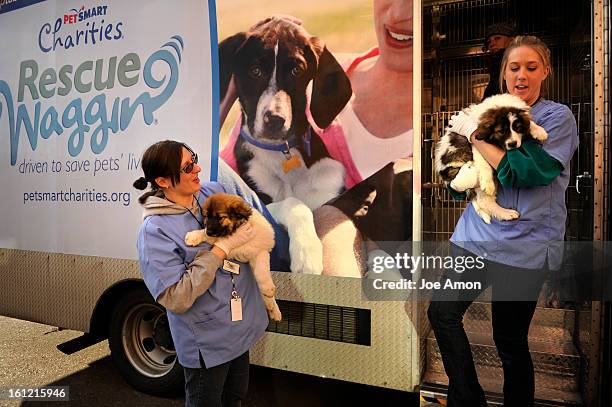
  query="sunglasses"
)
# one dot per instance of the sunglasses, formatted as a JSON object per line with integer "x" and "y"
{"x": 189, "y": 167}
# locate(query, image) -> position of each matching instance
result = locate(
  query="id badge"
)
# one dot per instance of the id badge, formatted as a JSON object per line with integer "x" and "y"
{"x": 231, "y": 267}
{"x": 236, "y": 308}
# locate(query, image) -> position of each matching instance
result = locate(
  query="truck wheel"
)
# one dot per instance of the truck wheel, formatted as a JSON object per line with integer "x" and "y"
{"x": 141, "y": 345}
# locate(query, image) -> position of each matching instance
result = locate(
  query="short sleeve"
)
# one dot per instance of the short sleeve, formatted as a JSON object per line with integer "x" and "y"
{"x": 211, "y": 187}
{"x": 227, "y": 154}
{"x": 160, "y": 261}
{"x": 562, "y": 131}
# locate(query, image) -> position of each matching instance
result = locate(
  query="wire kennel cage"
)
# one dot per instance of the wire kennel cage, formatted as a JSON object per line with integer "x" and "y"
{"x": 565, "y": 339}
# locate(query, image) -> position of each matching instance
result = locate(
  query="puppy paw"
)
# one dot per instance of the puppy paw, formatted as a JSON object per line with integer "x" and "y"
{"x": 484, "y": 215}
{"x": 306, "y": 254}
{"x": 275, "y": 315}
{"x": 466, "y": 178}
{"x": 305, "y": 248}
{"x": 488, "y": 186}
{"x": 273, "y": 311}
{"x": 507, "y": 214}
{"x": 194, "y": 238}
{"x": 537, "y": 132}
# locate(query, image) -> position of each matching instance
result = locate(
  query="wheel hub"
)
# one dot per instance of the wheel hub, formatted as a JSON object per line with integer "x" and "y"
{"x": 147, "y": 341}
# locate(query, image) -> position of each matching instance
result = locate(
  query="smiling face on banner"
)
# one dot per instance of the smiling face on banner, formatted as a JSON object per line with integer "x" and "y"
{"x": 393, "y": 24}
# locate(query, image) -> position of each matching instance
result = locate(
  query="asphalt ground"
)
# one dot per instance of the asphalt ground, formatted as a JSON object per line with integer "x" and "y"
{"x": 29, "y": 357}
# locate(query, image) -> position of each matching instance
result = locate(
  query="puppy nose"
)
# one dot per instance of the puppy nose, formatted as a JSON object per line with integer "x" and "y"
{"x": 213, "y": 232}
{"x": 273, "y": 122}
{"x": 511, "y": 144}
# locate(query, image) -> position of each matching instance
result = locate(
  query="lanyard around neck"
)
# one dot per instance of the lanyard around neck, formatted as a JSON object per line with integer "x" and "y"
{"x": 195, "y": 217}
{"x": 189, "y": 210}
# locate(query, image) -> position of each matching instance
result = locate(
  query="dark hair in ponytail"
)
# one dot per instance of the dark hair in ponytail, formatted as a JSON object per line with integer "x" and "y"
{"x": 141, "y": 183}
{"x": 162, "y": 159}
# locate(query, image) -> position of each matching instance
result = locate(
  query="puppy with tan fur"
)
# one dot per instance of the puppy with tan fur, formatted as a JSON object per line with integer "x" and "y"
{"x": 223, "y": 214}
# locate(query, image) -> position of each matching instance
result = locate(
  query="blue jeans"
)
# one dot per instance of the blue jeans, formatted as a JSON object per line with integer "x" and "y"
{"x": 510, "y": 320}
{"x": 233, "y": 184}
{"x": 220, "y": 386}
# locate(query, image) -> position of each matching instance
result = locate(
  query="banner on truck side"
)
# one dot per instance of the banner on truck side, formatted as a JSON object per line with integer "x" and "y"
{"x": 351, "y": 148}
{"x": 84, "y": 89}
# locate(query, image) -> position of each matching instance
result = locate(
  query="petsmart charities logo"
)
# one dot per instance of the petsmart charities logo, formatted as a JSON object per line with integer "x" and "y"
{"x": 94, "y": 30}
{"x": 84, "y": 14}
{"x": 89, "y": 116}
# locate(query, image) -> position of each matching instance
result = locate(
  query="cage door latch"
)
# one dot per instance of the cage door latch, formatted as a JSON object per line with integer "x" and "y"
{"x": 585, "y": 175}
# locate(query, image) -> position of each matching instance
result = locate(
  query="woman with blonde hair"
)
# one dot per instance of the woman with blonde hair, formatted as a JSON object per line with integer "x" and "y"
{"x": 531, "y": 179}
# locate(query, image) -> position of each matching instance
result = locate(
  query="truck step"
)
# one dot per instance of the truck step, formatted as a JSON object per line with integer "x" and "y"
{"x": 548, "y": 324}
{"x": 493, "y": 389}
{"x": 556, "y": 364}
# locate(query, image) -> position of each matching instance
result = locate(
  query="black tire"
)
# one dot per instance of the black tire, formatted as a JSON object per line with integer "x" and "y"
{"x": 141, "y": 345}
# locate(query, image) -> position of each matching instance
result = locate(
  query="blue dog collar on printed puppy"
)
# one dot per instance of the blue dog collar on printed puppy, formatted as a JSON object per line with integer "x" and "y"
{"x": 283, "y": 148}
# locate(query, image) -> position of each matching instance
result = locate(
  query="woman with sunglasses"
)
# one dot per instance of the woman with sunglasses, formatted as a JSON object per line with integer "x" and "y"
{"x": 215, "y": 312}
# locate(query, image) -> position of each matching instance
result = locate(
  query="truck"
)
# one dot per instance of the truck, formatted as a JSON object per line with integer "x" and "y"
{"x": 78, "y": 107}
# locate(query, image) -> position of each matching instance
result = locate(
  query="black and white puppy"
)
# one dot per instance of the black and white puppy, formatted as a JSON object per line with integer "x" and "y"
{"x": 504, "y": 121}
{"x": 277, "y": 153}
{"x": 377, "y": 215}
{"x": 381, "y": 205}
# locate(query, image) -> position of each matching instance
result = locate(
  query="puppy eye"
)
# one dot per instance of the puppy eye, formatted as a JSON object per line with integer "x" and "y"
{"x": 255, "y": 72}
{"x": 296, "y": 71}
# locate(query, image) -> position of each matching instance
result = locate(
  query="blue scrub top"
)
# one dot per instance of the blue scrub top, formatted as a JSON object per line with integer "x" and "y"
{"x": 537, "y": 236}
{"x": 206, "y": 327}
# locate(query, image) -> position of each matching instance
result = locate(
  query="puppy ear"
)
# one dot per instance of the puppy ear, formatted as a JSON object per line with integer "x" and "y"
{"x": 206, "y": 206}
{"x": 355, "y": 202}
{"x": 227, "y": 51}
{"x": 240, "y": 210}
{"x": 525, "y": 118}
{"x": 483, "y": 133}
{"x": 484, "y": 130}
{"x": 331, "y": 88}
{"x": 486, "y": 124}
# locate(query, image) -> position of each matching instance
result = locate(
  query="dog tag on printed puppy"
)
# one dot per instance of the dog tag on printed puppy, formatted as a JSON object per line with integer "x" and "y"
{"x": 292, "y": 163}
{"x": 231, "y": 267}
{"x": 236, "y": 308}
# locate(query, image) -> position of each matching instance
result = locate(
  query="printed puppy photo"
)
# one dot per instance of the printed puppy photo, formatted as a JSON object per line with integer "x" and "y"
{"x": 316, "y": 118}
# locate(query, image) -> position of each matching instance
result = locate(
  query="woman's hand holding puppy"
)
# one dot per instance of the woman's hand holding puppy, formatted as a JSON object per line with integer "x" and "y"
{"x": 242, "y": 235}
{"x": 463, "y": 124}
